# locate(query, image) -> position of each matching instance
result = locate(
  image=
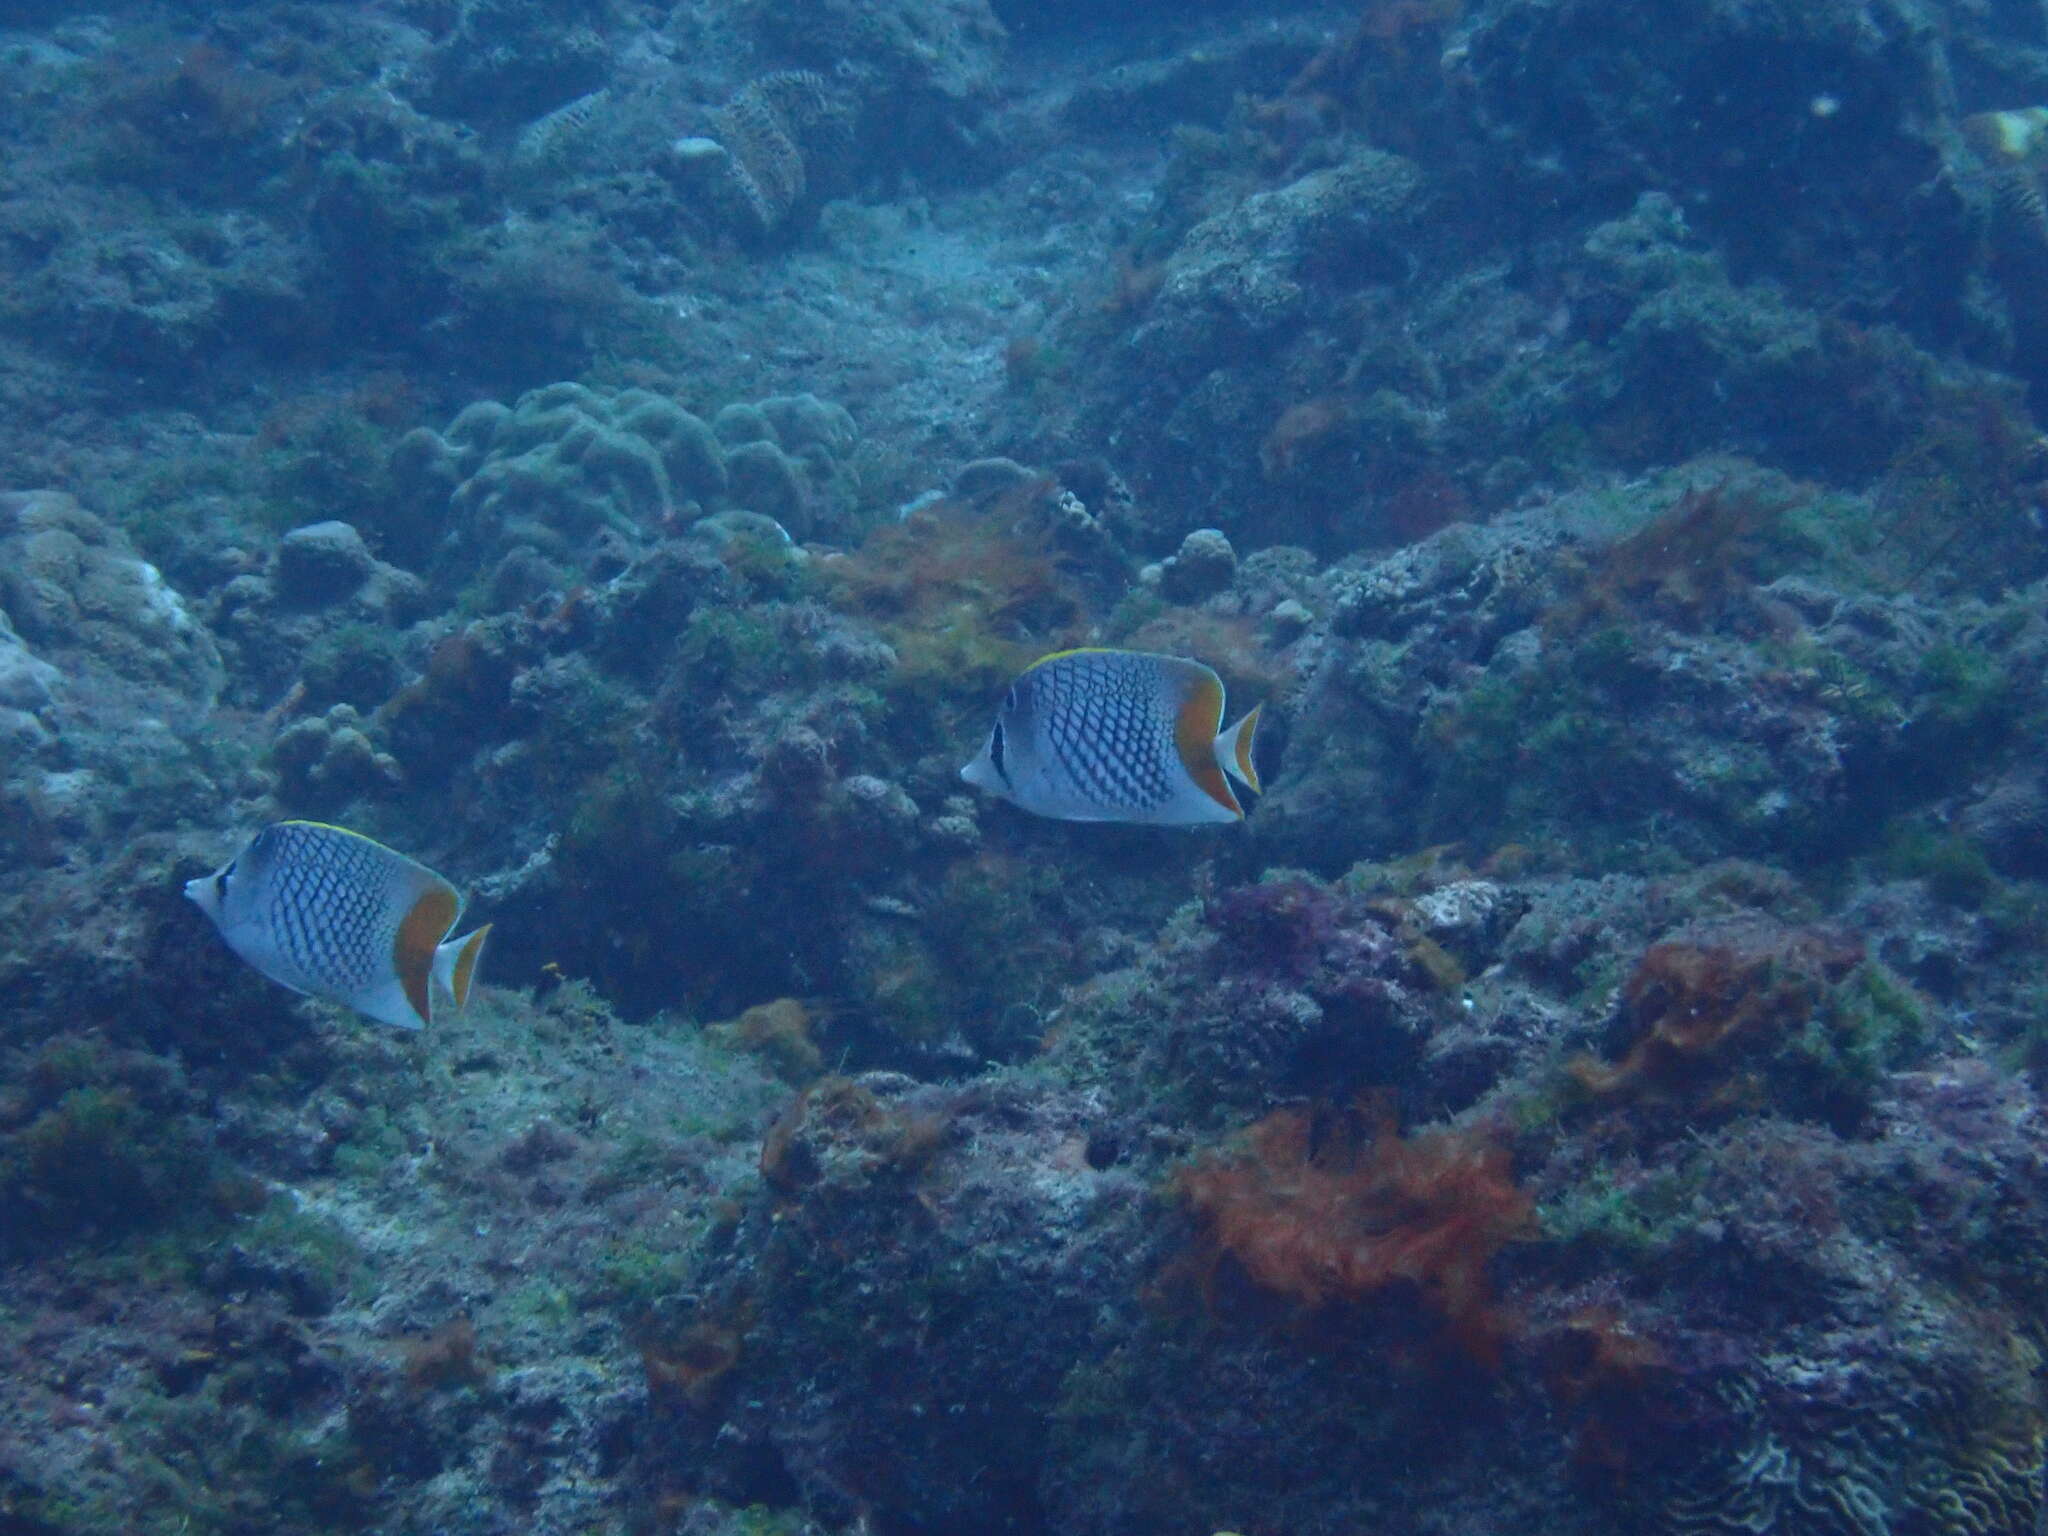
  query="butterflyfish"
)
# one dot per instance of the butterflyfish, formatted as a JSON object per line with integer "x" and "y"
{"x": 1104, "y": 735}
{"x": 334, "y": 914}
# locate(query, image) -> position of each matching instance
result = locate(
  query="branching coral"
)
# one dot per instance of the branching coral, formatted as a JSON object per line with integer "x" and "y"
{"x": 1344, "y": 1209}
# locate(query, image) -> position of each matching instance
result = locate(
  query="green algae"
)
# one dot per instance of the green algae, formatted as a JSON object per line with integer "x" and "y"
{"x": 1953, "y": 867}
{"x": 97, "y": 1152}
{"x": 1838, "y": 1064}
{"x": 316, "y": 1259}
{"x": 1634, "y": 1215}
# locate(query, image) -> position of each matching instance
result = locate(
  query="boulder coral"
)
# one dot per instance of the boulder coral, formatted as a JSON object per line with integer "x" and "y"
{"x": 568, "y": 462}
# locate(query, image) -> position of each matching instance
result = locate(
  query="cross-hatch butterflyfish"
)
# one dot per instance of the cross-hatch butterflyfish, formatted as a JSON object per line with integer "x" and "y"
{"x": 334, "y": 914}
{"x": 1105, "y": 735}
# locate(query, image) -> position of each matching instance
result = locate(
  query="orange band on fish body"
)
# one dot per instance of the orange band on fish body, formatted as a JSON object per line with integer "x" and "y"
{"x": 1194, "y": 739}
{"x": 419, "y": 936}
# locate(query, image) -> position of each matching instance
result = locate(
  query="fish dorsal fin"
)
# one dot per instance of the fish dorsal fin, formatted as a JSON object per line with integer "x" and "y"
{"x": 1194, "y": 729}
{"x": 1078, "y": 650}
{"x": 419, "y": 936}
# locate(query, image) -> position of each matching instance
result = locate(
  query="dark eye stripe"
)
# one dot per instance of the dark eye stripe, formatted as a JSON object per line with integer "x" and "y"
{"x": 995, "y": 751}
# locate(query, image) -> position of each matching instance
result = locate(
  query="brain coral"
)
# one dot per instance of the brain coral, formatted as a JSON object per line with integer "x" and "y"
{"x": 1957, "y": 1451}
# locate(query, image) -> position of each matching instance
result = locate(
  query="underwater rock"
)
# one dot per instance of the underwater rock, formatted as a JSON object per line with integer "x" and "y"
{"x": 1033, "y": 1236}
{"x": 1207, "y": 370}
{"x": 326, "y": 623}
{"x": 511, "y": 61}
{"x": 1861, "y": 96}
{"x": 322, "y": 563}
{"x": 156, "y": 298}
{"x": 26, "y": 682}
{"x": 1184, "y": 86}
{"x": 1203, "y": 567}
{"x": 1239, "y": 278}
{"x": 1289, "y": 619}
{"x": 1467, "y": 917}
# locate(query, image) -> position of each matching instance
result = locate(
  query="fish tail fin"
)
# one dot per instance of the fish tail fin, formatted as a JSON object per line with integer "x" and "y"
{"x": 1234, "y": 750}
{"x": 455, "y": 964}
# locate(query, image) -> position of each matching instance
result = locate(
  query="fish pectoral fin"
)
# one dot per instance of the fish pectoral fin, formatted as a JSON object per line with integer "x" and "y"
{"x": 455, "y": 964}
{"x": 1234, "y": 750}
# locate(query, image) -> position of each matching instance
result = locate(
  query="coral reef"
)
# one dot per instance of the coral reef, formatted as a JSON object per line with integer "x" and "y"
{"x": 1597, "y": 1089}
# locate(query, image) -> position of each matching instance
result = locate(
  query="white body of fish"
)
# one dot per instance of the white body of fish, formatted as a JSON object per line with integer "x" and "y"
{"x": 337, "y": 915}
{"x": 1107, "y": 735}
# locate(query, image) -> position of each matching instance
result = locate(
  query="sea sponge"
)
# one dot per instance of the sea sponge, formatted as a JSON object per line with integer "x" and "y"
{"x": 1339, "y": 1209}
{"x": 1698, "y": 1006}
